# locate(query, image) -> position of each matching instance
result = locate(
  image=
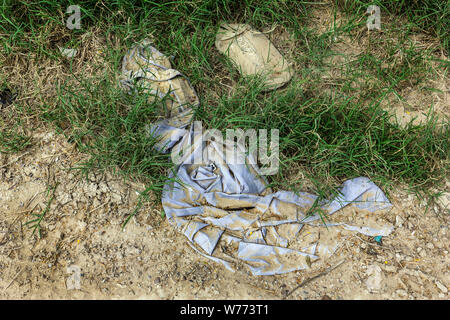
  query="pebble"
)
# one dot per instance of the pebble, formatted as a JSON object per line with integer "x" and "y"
{"x": 401, "y": 293}
{"x": 430, "y": 246}
{"x": 441, "y": 286}
{"x": 436, "y": 242}
{"x": 392, "y": 269}
{"x": 398, "y": 221}
{"x": 82, "y": 225}
{"x": 444, "y": 201}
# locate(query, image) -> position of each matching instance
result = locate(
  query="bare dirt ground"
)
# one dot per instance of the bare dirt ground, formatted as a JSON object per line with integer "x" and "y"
{"x": 149, "y": 259}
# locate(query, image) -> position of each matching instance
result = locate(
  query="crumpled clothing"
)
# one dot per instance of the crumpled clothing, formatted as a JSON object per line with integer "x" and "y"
{"x": 229, "y": 214}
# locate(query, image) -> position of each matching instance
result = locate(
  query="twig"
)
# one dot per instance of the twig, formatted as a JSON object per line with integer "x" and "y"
{"x": 376, "y": 245}
{"x": 263, "y": 289}
{"x": 98, "y": 207}
{"x": 17, "y": 159}
{"x": 31, "y": 200}
{"x": 15, "y": 277}
{"x": 314, "y": 278}
{"x": 28, "y": 210}
{"x": 2, "y": 242}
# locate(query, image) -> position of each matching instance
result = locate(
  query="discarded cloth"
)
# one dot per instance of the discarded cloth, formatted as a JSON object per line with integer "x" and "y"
{"x": 226, "y": 210}
{"x": 253, "y": 54}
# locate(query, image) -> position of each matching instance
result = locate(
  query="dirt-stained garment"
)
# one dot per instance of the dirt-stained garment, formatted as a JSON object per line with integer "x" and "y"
{"x": 226, "y": 210}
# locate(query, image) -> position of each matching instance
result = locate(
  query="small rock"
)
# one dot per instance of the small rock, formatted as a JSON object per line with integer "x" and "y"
{"x": 157, "y": 280}
{"x": 392, "y": 269}
{"x": 284, "y": 292}
{"x": 437, "y": 243}
{"x": 82, "y": 225}
{"x": 399, "y": 222}
{"x": 441, "y": 286}
{"x": 444, "y": 201}
{"x": 423, "y": 253}
{"x": 430, "y": 246}
{"x": 401, "y": 293}
{"x": 325, "y": 297}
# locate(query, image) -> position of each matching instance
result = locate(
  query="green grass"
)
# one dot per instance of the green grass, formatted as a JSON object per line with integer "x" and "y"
{"x": 11, "y": 141}
{"x": 333, "y": 131}
{"x": 109, "y": 125}
{"x": 429, "y": 16}
{"x": 335, "y": 136}
{"x": 35, "y": 224}
{"x": 12, "y": 136}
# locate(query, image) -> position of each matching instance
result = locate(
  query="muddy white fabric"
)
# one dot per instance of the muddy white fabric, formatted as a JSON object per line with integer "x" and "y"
{"x": 228, "y": 214}
{"x": 253, "y": 54}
